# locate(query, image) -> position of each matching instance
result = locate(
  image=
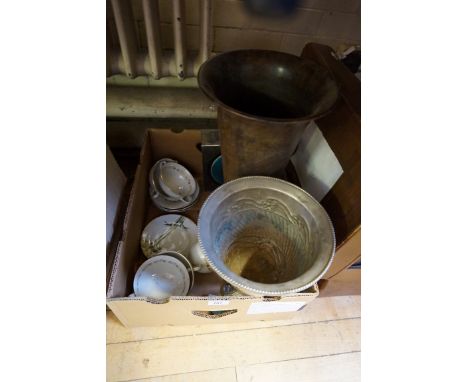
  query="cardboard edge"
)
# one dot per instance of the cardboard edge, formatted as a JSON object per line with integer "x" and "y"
{"x": 129, "y": 214}
{"x": 345, "y": 283}
{"x": 131, "y": 202}
{"x": 346, "y": 254}
{"x": 132, "y": 314}
{"x": 118, "y": 313}
{"x": 315, "y": 293}
{"x": 124, "y": 310}
{"x": 133, "y": 221}
{"x": 110, "y": 287}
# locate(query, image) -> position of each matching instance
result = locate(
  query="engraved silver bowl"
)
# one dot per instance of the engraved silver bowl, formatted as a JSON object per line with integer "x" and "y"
{"x": 265, "y": 236}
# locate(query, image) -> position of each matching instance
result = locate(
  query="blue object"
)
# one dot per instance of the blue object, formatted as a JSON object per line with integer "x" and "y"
{"x": 272, "y": 8}
{"x": 217, "y": 170}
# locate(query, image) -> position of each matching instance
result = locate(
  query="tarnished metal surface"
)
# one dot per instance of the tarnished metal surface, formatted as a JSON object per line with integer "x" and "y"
{"x": 153, "y": 36}
{"x": 133, "y": 61}
{"x": 206, "y": 35}
{"x": 127, "y": 35}
{"x": 138, "y": 102}
{"x": 265, "y": 99}
{"x": 266, "y": 236}
{"x": 252, "y": 146}
{"x": 180, "y": 50}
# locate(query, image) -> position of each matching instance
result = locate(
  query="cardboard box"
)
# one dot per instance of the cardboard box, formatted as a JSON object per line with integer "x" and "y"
{"x": 203, "y": 305}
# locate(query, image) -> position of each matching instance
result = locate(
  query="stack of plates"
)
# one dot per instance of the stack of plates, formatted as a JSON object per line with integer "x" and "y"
{"x": 166, "y": 241}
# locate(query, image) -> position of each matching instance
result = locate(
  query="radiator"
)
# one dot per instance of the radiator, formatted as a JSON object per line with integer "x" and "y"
{"x": 156, "y": 63}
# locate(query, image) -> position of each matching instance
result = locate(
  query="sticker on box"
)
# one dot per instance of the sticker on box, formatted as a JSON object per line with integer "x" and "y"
{"x": 275, "y": 307}
{"x": 218, "y": 302}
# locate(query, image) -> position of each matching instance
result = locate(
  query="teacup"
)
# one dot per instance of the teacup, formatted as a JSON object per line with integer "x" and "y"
{"x": 198, "y": 259}
{"x": 185, "y": 260}
{"x": 162, "y": 276}
{"x": 175, "y": 181}
{"x": 155, "y": 189}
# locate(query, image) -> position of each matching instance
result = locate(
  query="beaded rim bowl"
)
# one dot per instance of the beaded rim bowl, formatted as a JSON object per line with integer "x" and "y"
{"x": 285, "y": 199}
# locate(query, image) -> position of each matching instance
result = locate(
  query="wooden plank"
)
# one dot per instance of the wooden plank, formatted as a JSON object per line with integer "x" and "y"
{"x": 160, "y": 357}
{"x": 321, "y": 309}
{"x": 221, "y": 375}
{"x": 342, "y": 130}
{"x": 343, "y": 202}
{"x": 335, "y": 368}
{"x": 350, "y": 85}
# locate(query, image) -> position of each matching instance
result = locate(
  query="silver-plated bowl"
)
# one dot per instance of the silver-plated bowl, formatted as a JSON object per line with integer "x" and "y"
{"x": 266, "y": 236}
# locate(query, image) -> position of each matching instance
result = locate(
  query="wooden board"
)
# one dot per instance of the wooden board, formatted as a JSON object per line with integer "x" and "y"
{"x": 342, "y": 130}
{"x": 309, "y": 345}
{"x": 333, "y": 368}
{"x": 142, "y": 359}
{"x": 221, "y": 375}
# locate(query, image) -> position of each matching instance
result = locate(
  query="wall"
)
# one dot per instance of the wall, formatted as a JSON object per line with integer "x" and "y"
{"x": 332, "y": 22}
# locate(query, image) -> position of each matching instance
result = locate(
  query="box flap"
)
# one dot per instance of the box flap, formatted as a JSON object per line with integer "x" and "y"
{"x": 116, "y": 196}
{"x": 115, "y": 184}
{"x": 119, "y": 282}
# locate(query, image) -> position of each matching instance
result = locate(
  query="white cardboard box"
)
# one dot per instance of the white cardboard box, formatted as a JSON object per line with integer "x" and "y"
{"x": 203, "y": 305}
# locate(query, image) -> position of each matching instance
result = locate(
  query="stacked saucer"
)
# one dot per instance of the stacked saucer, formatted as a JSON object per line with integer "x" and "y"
{"x": 161, "y": 277}
{"x": 170, "y": 242}
{"x": 172, "y": 187}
